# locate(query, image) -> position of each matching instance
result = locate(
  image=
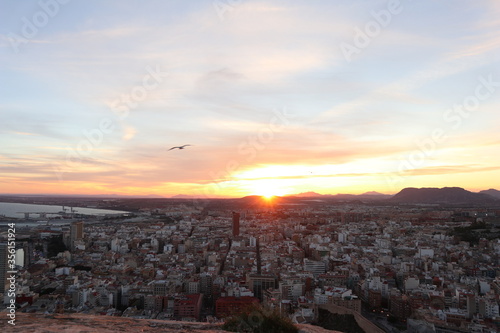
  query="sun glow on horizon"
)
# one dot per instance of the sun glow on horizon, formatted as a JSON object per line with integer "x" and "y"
{"x": 269, "y": 193}
{"x": 269, "y": 198}
{"x": 267, "y": 188}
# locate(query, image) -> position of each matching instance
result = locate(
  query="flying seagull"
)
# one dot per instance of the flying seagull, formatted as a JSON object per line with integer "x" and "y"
{"x": 179, "y": 147}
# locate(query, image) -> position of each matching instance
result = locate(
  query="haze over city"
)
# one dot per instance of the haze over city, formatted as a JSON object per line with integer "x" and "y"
{"x": 274, "y": 97}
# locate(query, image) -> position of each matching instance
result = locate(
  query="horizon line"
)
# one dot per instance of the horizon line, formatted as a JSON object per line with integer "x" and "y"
{"x": 187, "y": 196}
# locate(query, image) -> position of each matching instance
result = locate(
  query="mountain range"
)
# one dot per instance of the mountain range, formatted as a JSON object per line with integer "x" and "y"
{"x": 492, "y": 192}
{"x": 446, "y": 195}
{"x": 410, "y": 195}
{"x": 372, "y": 195}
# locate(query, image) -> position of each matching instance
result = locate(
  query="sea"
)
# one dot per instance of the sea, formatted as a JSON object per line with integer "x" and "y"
{"x": 18, "y": 210}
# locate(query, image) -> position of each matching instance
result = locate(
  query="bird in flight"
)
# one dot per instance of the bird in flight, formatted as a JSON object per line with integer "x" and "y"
{"x": 179, "y": 147}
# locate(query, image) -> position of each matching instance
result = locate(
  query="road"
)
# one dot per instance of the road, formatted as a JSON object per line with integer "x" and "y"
{"x": 381, "y": 321}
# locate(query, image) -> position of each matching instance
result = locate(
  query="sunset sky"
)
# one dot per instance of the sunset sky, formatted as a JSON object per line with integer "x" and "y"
{"x": 275, "y": 97}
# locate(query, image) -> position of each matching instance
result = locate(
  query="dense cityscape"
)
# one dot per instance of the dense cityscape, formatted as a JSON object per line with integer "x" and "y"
{"x": 414, "y": 267}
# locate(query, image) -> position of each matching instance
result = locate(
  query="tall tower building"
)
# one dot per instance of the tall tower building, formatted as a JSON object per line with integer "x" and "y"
{"x": 259, "y": 283}
{"x": 3, "y": 266}
{"x": 75, "y": 233}
{"x": 257, "y": 249}
{"x": 28, "y": 253}
{"x": 236, "y": 224}
{"x": 206, "y": 284}
{"x": 206, "y": 288}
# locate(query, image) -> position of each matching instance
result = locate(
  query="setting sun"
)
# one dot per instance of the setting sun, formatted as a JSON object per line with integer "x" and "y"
{"x": 267, "y": 188}
{"x": 269, "y": 193}
{"x": 268, "y": 197}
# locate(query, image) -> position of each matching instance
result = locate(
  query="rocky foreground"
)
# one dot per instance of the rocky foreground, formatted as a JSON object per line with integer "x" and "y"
{"x": 81, "y": 323}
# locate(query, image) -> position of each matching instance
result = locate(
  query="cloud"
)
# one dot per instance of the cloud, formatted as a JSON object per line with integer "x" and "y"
{"x": 225, "y": 78}
{"x": 220, "y": 75}
{"x": 440, "y": 170}
{"x": 128, "y": 132}
{"x": 447, "y": 170}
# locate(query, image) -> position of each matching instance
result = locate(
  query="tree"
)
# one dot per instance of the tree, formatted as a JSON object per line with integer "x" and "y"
{"x": 257, "y": 319}
{"x": 55, "y": 245}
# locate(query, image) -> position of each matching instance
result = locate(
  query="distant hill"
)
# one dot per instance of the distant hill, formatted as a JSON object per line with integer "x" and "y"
{"x": 492, "y": 192}
{"x": 182, "y": 196}
{"x": 447, "y": 195}
{"x": 307, "y": 195}
{"x": 367, "y": 196}
{"x": 372, "y": 195}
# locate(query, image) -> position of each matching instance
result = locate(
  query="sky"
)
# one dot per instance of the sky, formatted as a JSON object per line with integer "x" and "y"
{"x": 273, "y": 97}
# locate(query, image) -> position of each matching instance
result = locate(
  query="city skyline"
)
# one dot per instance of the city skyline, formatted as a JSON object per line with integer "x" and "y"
{"x": 272, "y": 98}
